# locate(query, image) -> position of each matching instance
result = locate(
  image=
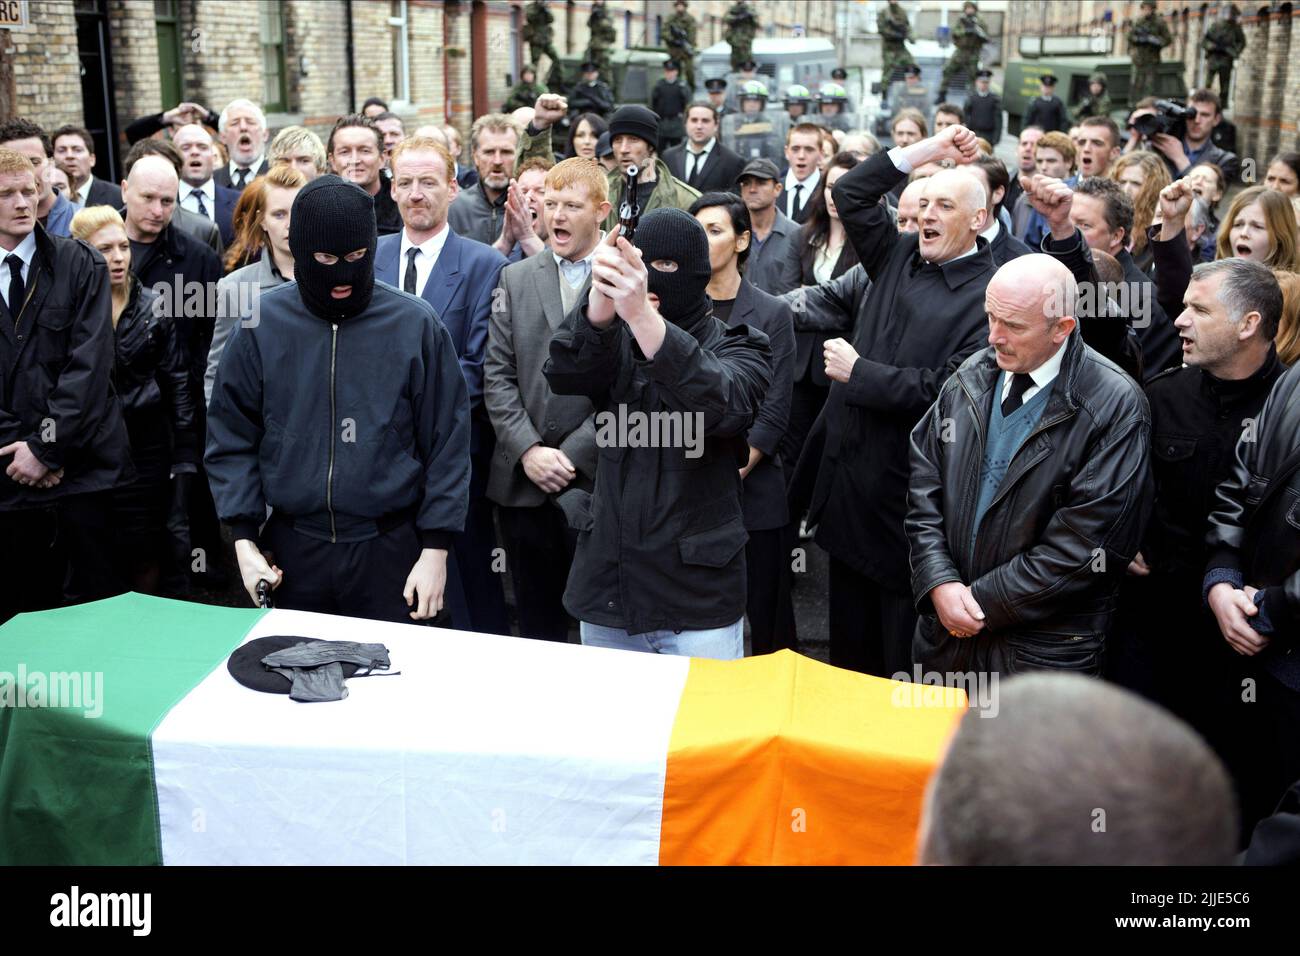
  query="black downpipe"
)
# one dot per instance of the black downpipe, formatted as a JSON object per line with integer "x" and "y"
{"x": 352, "y": 76}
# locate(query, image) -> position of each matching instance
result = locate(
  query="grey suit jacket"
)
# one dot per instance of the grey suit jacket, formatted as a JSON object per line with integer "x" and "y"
{"x": 521, "y": 406}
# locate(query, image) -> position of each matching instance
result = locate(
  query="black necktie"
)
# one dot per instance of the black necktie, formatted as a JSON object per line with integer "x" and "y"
{"x": 241, "y": 177}
{"x": 1020, "y": 383}
{"x": 408, "y": 280}
{"x": 16, "y": 290}
{"x": 797, "y": 203}
{"x": 697, "y": 161}
{"x": 198, "y": 198}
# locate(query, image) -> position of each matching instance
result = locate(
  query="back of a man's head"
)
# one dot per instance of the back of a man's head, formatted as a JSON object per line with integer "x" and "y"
{"x": 1074, "y": 771}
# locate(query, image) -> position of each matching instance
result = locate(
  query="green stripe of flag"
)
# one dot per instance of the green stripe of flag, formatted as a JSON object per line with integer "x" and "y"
{"x": 76, "y": 781}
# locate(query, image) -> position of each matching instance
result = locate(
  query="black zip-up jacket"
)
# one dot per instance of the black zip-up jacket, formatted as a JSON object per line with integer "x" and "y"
{"x": 1254, "y": 530}
{"x": 1196, "y": 422}
{"x": 152, "y": 379}
{"x": 661, "y": 542}
{"x": 342, "y": 424}
{"x": 56, "y": 367}
{"x": 1065, "y": 522}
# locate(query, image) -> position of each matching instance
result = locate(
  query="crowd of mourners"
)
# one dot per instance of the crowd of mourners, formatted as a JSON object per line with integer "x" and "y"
{"x": 1041, "y": 418}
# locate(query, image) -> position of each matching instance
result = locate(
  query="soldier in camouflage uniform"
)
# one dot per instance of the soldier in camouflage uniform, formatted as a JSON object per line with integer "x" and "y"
{"x": 968, "y": 36}
{"x": 742, "y": 24}
{"x": 1147, "y": 36}
{"x": 1096, "y": 102}
{"x": 603, "y": 36}
{"x": 1224, "y": 41}
{"x": 537, "y": 34}
{"x": 525, "y": 92}
{"x": 894, "y": 30}
{"x": 679, "y": 37}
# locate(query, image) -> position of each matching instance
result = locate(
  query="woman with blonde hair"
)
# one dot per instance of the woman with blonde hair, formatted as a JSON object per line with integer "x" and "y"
{"x": 1260, "y": 225}
{"x": 1142, "y": 175}
{"x": 1288, "y": 329}
{"x": 262, "y": 243}
{"x": 151, "y": 378}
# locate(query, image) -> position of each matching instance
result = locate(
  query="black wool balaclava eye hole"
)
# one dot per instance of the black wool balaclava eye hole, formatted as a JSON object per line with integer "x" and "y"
{"x": 676, "y": 236}
{"x": 337, "y": 217}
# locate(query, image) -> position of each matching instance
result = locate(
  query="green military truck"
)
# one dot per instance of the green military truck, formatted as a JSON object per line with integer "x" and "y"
{"x": 636, "y": 71}
{"x": 1072, "y": 72}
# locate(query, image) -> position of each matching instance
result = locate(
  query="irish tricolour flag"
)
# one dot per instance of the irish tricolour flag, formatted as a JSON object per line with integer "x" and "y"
{"x": 124, "y": 740}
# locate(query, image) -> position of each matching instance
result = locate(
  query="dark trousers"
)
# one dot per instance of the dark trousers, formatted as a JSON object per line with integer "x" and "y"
{"x": 475, "y": 596}
{"x": 88, "y": 532}
{"x": 355, "y": 579}
{"x": 1224, "y": 73}
{"x": 539, "y": 545}
{"x": 806, "y": 401}
{"x": 1281, "y": 707}
{"x": 31, "y": 574}
{"x": 1166, "y": 646}
{"x": 871, "y": 626}
{"x": 767, "y": 600}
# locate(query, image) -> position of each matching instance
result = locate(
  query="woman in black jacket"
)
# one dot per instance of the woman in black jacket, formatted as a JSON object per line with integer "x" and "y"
{"x": 736, "y": 301}
{"x": 150, "y": 377}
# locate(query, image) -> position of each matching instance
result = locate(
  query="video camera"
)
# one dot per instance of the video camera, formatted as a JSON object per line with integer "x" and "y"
{"x": 1169, "y": 117}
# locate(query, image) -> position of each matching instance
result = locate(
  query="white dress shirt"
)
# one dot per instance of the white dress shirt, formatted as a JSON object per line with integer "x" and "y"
{"x": 253, "y": 167}
{"x": 1042, "y": 376}
{"x": 809, "y": 187}
{"x": 26, "y": 251}
{"x": 696, "y": 160}
{"x": 83, "y": 194}
{"x": 430, "y": 249}
{"x": 190, "y": 194}
{"x": 569, "y": 272}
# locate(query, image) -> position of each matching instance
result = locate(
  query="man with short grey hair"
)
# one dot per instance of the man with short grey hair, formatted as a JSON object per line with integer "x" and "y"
{"x": 1074, "y": 772}
{"x": 1030, "y": 485}
{"x": 1172, "y": 651}
{"x": 242, "y": 128}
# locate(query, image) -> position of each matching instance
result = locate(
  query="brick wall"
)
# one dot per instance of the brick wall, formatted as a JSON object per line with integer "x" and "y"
{"x": 316, "y": 32}
{"x": 427, "y": 88}
{"x": 223, "y": 53}
{"x": 372, "y": 51}
{"x": 47, "y": 72}
{"x": 136, "y": 77}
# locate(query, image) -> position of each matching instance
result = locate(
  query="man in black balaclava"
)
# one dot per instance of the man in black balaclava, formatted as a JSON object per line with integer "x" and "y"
{"x": 660, "y": 562}
{"x": 340, "y": 406}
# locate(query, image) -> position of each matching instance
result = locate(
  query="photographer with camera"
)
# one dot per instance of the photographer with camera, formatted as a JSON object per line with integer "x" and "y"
{"x": 1147, "y": 36}
{"x": 1181, "y": 134}
{"x": 660, "y": 563}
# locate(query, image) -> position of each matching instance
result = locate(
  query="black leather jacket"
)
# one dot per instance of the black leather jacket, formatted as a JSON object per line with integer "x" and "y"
{"x": 1255, "y": 526}
{"x": 1054, "y": 544}
{"x": 151, "y": 377}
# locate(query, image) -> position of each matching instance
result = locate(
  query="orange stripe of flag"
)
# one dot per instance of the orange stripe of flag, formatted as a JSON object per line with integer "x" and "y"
{"x": 780, "y": 759}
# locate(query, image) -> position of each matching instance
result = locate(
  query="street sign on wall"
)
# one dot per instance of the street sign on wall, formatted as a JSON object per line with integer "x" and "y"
{"x": 13, "y": 14}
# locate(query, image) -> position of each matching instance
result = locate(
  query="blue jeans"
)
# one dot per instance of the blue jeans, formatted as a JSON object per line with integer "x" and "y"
{"x": 721, "y": 643}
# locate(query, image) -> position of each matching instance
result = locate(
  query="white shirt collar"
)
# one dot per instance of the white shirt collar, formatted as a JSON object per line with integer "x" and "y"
{"x": 561, "y": 261}
{"x": 991, "y": 232}
{"x": 25, "y": 250}
{"x": 253, "y": 167}
{"x": 708, "y": 147}
{"x": 809, "y": 184}
{"x": 208, "y": 189}
{"x": 430, "y": 248}
{"x": 1042, "y": 376}
{"x": 84, "y": 192}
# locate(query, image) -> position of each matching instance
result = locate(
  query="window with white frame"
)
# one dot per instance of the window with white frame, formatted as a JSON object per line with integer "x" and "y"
{"x": 401, "y": 61}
